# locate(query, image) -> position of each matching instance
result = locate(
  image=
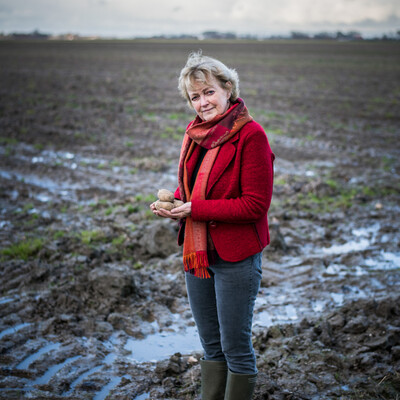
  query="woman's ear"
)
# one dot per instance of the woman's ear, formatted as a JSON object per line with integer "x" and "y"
{"x": 228, "y": 86}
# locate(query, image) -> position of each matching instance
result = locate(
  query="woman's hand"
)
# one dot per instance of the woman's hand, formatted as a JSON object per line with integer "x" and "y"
{"x": 160, "y": 213}
{"x": 176, "y": 213}
{"x": 182, "y": 211}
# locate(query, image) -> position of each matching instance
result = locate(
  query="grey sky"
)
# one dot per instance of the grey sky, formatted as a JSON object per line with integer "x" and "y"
{"x": 127, "y": 18}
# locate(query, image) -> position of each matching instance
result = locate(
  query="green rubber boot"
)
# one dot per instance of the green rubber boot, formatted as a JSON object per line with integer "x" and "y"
{"x": 240, "y": 386}
{"x": 213, "y": 379}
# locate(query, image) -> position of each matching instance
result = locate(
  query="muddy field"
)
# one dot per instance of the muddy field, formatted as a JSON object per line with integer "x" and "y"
{"x": 93, "y": 302}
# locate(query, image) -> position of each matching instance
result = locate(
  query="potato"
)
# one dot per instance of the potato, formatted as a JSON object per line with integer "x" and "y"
{"x": 166, "y": 205}
{"x": 178, "y": 203}
{"x": 165, "y": 195}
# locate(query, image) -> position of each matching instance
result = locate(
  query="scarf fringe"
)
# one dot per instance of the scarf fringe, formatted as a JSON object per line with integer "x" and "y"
{"x": 197, "y": 264}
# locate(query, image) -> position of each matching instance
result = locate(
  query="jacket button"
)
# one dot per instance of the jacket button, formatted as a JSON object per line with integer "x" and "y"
{"x": 212, "y": 224}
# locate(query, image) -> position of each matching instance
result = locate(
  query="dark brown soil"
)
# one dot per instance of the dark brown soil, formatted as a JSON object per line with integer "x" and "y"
{"x": 93, "y": 302}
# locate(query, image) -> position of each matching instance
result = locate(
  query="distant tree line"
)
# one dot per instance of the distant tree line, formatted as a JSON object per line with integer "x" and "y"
{"x": 352, "y": 35}
{"x": 32, "y": 35}
{"x": 211, "y": 35}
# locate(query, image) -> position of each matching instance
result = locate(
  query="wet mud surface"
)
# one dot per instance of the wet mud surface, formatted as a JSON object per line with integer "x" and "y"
{"x": 93, "y": 302}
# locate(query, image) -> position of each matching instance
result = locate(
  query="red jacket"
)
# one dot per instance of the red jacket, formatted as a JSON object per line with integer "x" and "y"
{"x": 239, "y": 192}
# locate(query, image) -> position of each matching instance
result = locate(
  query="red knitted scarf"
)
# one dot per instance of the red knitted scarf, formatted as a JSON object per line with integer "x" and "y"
{"x": 210, "y": 135}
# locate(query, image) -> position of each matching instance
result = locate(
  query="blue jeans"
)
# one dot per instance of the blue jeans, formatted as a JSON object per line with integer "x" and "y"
{"x": 222, "y": 308}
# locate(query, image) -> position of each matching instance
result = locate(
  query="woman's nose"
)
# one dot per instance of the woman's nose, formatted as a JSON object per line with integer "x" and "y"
{"x": 203, "y": 101}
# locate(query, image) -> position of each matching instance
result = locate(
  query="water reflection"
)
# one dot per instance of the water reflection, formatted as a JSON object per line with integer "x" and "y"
{"x": 162, "y": 345}
{"x": 13, "y": 329}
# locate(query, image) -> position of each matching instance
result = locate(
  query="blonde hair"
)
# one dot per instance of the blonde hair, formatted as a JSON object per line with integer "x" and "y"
{"x": 202, "y": 69}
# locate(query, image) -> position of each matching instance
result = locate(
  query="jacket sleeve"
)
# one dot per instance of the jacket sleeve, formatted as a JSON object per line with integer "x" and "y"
{"x": 255, "y": 183}
{"x": 177, "y": 194}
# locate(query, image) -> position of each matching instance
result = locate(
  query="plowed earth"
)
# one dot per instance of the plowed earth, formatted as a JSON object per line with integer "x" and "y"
{"x": 93, "y": 302}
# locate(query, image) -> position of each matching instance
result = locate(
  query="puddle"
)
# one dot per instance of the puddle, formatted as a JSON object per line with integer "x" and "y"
{"x": 263, "y": 319}
{"x": 6, "y": 300}
{"x": 57, "y": 158}
{"x": 13, "y": 329}
{"x": 108, "y": 360}
{"x": 46, "y": 156}
{"x": 348, "y": 247}
{"x": 87, "y": 174}
{"x": 385, "y": 260}
{"x": 53, "y": 370}
{"x": 80, "y": 379}
{"x": 392, "y": 257}
{"x": 338, "y": 298}
{"x": 267, "y": 318}
{"x": 336, "y": 270}
{"x": 30, "y": 359}
{"x": 291, "y": 312}
{"x": 365, "y": 238}
{"x": 56, "y": 188}
{"x": 43, "y": 197}
{"x": 52, "y": 186}
{"x": 340, "y": 281}
{"x": 5, "y": 224}
{"x": 318, "y": 306}
{"x": 162, "y": 345}
{"x": 114, "y": 382}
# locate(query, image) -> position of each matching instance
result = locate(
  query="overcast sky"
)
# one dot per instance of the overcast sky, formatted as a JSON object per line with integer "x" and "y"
{"x": 128, "y": 18}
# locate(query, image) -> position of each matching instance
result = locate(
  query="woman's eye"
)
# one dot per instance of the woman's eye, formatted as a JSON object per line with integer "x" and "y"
{"x": 194, "y": 98}
{"x": 210, "y": 92}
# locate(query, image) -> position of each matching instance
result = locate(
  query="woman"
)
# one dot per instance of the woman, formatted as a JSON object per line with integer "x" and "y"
{"x": 225, "y": 180}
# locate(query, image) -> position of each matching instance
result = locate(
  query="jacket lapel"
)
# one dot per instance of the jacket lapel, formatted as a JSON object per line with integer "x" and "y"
{"x": 222, "y": 161}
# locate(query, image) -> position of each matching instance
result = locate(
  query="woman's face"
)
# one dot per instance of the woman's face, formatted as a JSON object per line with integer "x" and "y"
{"x": 208, "y": 99}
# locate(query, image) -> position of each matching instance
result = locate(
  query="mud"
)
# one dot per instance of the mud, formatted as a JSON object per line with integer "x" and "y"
{"x": 93, "y": 302}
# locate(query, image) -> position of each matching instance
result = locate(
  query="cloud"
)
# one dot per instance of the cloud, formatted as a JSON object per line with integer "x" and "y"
{"x": 133, "y": 17}
{"x": 392, "y": 22}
